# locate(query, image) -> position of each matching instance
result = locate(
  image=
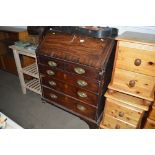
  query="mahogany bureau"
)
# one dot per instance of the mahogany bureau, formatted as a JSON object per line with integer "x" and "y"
{"x": 132, "y": 87}
{"x": 75, "y": 71}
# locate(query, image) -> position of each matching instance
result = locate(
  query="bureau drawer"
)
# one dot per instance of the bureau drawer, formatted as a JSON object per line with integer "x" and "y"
{"x": 140, "y": 59}
{"x": 77, "y": 80}
{"x": 69, "y": 103}
{"x": 123, "y": 112}
{"x": 113, "y": 123}
{"x": 73, "y": 91}
{"x": 51, "y": 62}
{"x": 83, "y": 70}
{"x": 136, "y": 84}
{"x": 77, "y": 69}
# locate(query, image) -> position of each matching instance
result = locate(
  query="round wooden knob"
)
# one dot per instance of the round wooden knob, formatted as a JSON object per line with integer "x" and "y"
{"x": 137, "y": 62}
{"x": 132, "y": 83}
{"x": 121, "y": 114}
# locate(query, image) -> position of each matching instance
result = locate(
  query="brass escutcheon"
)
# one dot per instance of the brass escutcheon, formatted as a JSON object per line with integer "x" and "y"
{"x": 82, "y": 94}
{"x": 79, "y": 70}
{"x": 52, "y": 83}
{"x": 80, "y": 107}
{"x": 52, "y": 63}
{"x": 82, "y": 83}
{"x": 50, "y": 72}
{"x": 53, "y": 96}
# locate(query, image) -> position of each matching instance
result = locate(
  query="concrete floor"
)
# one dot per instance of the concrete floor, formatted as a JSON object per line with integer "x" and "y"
{"x": 28, "y": 110}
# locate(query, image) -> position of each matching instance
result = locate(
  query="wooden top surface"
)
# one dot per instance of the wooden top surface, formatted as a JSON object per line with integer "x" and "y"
{"x": 79, "y": 49}
{"x": 143, "y": 38}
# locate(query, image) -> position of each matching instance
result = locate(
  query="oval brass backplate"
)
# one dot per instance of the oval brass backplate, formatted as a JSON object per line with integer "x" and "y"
{"x": 53, "y": 96}
{"x": 82, "y": 94}
{"x": 50, "y": 72}
{"x": 82, "y": 83}
{"x": 81, "y": 107}
{"x": 79, "y": 70}
{"x": 52, "y": 63}
{"x": 52, "y": 83}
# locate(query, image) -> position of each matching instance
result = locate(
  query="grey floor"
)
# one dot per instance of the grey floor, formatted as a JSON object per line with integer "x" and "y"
{"x": 28, "y": 110}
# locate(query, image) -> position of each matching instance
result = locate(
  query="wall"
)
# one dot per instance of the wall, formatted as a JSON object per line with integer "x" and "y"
{"x": 144, "y": 29}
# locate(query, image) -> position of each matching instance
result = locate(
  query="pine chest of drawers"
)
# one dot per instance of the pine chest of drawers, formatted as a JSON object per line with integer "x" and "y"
{"x": 75, "y": 71}
{"x": 134, "y": 78}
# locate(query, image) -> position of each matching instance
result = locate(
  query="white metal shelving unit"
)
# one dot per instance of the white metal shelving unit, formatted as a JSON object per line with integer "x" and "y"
{"x": 31, "y": 70}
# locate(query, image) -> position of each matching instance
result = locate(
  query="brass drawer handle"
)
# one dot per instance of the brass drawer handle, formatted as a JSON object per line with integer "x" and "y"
{"x": 132, "y": 83}
{"x": 53, "y": 96}
{"x": 117, "y": 126}
{"x": 121, "y": 114}
{"x": 137, "y": 62}
{"x": 52, "y": 63}
{"x": 50, "y": 72}
{"x": 82, "y": 83}
{"x": 52, "y": 83}
{"x": 82, "y": 94}
{"x": 81, "y": 107}
{"x": 79, "y": 70}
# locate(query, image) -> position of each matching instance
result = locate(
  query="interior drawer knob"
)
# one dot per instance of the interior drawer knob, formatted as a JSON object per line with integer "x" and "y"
{"x": 79, "y": 70}
{"x": 121, "y": 114}
{"x": 50, "y": 72}
{"x": 82, "y": 94}
{"x": 132, "y": 83}
{"x": 52, "y": 63}
{"x": 137, "y": 62}
{"x": 82, "y": 83}
{"x": 81, "y": 107}
{"x": 53, "y": 96}
{"x": 52, "y": 83}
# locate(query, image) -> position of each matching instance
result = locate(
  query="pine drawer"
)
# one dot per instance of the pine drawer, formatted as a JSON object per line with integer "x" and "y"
{"x": 113, "y": 123}
{"x": 124, "y": 112}
{"x": 136, "y": 57}
{"x": 135, "y": 84}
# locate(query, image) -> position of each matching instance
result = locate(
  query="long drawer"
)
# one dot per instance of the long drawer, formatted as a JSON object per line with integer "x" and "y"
{"x": 73, "y": 79}
{"x": 76, "y": 68}
{"x": 69, "y": 103}
{"x": 73, "y": 91}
